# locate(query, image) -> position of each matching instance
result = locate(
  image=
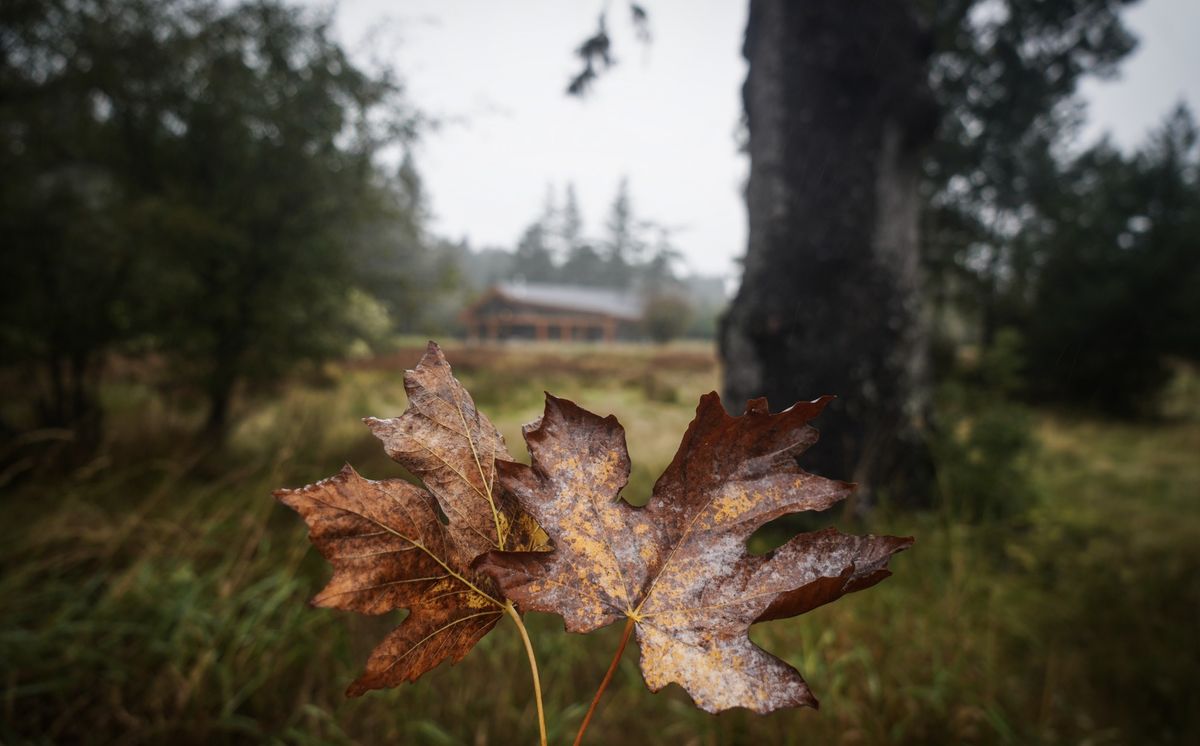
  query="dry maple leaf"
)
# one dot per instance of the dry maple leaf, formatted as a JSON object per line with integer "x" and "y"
{"x": 390, "y": 550}
{"x": 679, "y": 567}
{"x": 453, "y": 449}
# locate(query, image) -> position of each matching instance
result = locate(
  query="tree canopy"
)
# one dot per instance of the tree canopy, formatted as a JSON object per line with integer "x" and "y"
{"x": 193, "y": 177}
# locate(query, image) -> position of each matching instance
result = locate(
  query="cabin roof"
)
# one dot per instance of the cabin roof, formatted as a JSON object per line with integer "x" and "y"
{"x": 616, "y": 303}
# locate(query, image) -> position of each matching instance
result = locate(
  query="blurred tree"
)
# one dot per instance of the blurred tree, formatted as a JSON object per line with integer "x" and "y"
{"x": 69, "y": 107}
{"x": 624, "y": 259}
{"x": 1116, "y": 291}
{"x": 1004, "y": 74}
{"x": 542, "y": 245}
{"x": 410, "y": 193}
{"x": 232, "y": 149}
{"x": 584, "y": 266}
{"x": 396, "y": 260}
{"x": 66, "y": 270}
{"x": 623, "y": 246}
{"x": 666, "y": 316}
{"x": 841, "y": 106}
{"x": 831, "y": 299}
{"x": 534, "y": 261}
{"x": 270, "y": 169}
{"x": 568, "y": 229}
{"x": 838, "y": 111}
{"x": 483, "y": 267}
{"x": 657, "y": 275}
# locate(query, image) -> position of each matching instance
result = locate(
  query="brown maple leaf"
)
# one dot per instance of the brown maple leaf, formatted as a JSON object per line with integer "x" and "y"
{"x": 453, "y": 449}
{"x": 679, "y": 567}
{"x": 390, "y": 550}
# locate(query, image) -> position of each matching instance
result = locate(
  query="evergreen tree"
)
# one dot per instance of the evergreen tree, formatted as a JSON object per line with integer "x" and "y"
{"x": 1003, "y": 75}
{"x": 623, "y": 247}
{"x": 533, "y": 260}
{"x": 584, "y": 266}
{"x": 1119, "y": 268}
{"x": 576, "y": 254}
{"x": 657, "y": 276}
{"x": 571, "y": 223}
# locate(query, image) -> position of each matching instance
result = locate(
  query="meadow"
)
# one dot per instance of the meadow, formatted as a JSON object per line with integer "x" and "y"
{"x": 159, "y": 594}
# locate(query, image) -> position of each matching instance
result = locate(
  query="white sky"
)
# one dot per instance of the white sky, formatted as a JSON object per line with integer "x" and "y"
{"x": 666, "y": 116}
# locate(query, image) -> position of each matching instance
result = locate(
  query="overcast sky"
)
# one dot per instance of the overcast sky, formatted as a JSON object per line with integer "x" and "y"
{"x": 666, "y": 116}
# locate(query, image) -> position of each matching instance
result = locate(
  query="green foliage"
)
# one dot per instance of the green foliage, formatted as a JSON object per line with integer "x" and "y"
{"x": 984, "y": 445}
{"x": 1091, "y": 256}
{"x": 1003, "y": 366}
{"x": 160, "y": 599}
{"x": 1002, "y": 247}
{"x": 1003, "y": 76}
{"x": 64, "y": 276}
{"x": 583, "y": 266}
{"x": 1117, "y": 293}
{"x": 982, "y": 457}
{"x": 666, "y": 317}
{"x": 193, "y": 178}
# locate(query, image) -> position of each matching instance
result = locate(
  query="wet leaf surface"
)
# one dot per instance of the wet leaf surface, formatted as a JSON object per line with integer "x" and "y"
{"x": 679, "y": 567}
{"x": 387, "y": 544}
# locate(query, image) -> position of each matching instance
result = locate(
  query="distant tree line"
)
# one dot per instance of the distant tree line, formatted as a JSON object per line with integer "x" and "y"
{"x": 632, "y": 252}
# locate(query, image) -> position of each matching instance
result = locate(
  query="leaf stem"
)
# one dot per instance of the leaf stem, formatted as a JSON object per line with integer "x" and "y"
{"x": 537, "y": 683}
{"x": 612, "y": 667}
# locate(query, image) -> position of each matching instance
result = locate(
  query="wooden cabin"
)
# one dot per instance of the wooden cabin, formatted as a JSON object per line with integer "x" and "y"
{"x": 545, "y": 312}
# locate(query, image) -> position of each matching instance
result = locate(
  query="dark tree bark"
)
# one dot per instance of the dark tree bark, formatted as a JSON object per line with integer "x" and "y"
{"x": 216, "y": 423}
{"x": 223, "y": 378}
{"x": 838, "y": 111}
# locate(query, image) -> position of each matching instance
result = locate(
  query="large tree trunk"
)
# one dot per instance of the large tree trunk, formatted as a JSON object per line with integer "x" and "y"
{"x": 838, "y": 110}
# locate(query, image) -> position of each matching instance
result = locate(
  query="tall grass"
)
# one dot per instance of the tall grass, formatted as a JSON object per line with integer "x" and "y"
{"x": 159, "y": 594}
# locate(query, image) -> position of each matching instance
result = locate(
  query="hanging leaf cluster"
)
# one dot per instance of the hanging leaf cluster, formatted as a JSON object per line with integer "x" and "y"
{"x": 485, "y": 532}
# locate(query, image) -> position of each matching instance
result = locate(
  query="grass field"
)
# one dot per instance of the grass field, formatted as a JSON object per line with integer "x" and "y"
{"x": 158, "y": 595}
